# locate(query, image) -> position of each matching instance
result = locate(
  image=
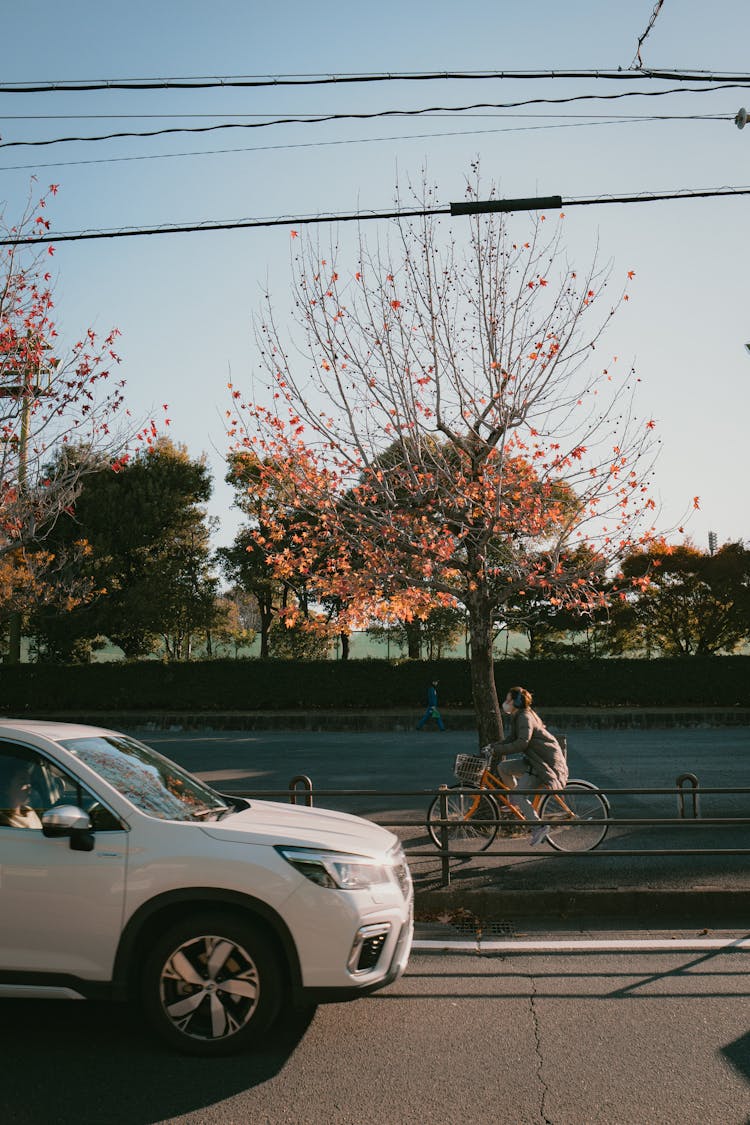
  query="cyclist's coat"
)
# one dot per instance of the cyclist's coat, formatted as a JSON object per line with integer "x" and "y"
{"x": 529, "y": 736}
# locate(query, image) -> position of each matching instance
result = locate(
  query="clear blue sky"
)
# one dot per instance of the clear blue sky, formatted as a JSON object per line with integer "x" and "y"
{"x": 184, "y": 303}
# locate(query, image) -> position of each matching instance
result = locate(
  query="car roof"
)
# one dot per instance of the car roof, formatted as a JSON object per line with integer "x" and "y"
{"x": 50, "y": 728}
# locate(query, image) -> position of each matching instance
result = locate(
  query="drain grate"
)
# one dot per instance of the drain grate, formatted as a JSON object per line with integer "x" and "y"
{"x": 475, "y": 928}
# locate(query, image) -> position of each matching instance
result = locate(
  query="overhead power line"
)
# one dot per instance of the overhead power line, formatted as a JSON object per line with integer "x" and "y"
{"x": 453, "y": 209}
{"x": 270, "y": 80}
{"x": 371, "y": 116}
{"x": 258, "y": 116}
{"x": 607, "y": 122}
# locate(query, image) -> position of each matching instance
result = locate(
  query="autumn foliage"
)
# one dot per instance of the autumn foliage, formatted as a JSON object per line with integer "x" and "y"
{"x": 438, "y": 429}
{"x": 60, "y": 412}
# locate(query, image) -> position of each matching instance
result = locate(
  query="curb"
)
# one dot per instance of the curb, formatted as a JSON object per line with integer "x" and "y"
{"x": 551, "y": 944}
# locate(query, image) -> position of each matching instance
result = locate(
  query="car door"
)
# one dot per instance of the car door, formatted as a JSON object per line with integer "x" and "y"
{"x": 60, "y": 909}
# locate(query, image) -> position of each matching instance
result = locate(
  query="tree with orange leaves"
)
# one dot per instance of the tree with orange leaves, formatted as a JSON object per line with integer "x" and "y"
{"x": 437, "y": 411}
{"x": 50, "y": 400}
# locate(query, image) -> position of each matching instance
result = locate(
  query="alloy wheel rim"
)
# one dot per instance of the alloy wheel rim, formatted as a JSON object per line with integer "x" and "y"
{"x": 209, "y": 987}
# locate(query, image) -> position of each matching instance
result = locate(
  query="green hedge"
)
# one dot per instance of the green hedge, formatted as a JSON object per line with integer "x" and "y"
{"x": 281, "y": 685}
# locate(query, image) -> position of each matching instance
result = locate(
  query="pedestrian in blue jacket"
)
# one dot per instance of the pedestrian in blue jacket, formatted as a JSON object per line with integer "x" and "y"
{"x": 432, "y": 708}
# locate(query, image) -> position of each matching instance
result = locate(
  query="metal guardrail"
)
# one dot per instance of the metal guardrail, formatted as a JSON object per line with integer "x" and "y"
{"x": 687, "y": 793}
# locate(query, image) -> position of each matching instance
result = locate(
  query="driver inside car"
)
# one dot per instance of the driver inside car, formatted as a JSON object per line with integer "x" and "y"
{"x": 15, "y": 792}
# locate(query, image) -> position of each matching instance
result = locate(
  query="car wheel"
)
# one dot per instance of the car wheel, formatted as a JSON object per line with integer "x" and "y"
{"x": 212, "y": 984}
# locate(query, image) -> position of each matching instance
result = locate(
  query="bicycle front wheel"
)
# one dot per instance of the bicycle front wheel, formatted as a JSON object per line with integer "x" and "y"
{"x": 571, "y": 814}
{"x": 472, "y": 820}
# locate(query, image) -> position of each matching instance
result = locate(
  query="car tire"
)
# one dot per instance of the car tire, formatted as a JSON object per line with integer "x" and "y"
{"x": 212, "y": 984}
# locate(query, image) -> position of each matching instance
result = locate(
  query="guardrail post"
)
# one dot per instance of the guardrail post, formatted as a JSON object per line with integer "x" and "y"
{"x": 693, "y": 792}
{"x": 444, "y": 860}
{"x": 303, "y": 781}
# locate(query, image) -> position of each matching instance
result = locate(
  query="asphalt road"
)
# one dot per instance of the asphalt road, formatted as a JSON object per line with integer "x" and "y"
{"x": 413, "y": 763}
{"x": 518, "y": 1039}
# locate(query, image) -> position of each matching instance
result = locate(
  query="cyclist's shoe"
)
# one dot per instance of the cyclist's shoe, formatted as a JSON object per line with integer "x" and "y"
{"x": 539, "y": 834}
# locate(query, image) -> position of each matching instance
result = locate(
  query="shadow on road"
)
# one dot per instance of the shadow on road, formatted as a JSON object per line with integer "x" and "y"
{"x": 738, "y": 1054}
{"x": 96, "y": 1064}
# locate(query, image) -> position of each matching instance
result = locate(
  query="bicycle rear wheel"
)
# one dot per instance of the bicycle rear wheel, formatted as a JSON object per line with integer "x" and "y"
{"x": 473, "y": 820}
{"x": 571, "y": 813}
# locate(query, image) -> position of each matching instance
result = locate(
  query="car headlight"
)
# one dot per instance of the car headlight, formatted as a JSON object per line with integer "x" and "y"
{"x": 336, "y": 870}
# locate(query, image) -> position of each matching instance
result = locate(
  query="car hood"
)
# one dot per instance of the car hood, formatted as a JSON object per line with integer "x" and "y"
{"x": 271, "y": 822}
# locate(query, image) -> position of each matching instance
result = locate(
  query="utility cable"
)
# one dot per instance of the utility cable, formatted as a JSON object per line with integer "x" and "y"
{"x": 237, "y": 116}
{"x": 376, "y": 114}
{"x": 270, "y": 80}
{"x": 607, "y": 121}
{"x": 474, "y": 207}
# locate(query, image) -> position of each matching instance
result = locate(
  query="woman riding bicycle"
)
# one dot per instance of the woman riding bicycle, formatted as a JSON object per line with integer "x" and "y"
{"x": 541, "y": 762}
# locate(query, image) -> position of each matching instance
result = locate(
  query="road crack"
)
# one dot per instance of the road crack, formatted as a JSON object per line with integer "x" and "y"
{"x": 536, "y": 1028}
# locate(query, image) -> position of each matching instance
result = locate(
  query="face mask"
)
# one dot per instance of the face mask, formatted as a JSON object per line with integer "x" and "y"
{"x": 508, "y": 708}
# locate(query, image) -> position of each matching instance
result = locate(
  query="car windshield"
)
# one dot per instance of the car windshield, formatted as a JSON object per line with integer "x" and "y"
{"x": 152, "y": 783}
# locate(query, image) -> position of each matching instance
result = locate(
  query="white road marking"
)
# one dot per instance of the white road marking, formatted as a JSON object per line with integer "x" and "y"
{"x": 583, "y": 945}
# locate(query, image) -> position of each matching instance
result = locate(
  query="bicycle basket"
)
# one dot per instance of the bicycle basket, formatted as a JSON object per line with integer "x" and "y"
{"x": 469, "y": 769}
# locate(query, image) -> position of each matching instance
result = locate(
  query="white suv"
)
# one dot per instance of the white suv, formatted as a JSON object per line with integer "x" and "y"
{"x": 123, "y": 875}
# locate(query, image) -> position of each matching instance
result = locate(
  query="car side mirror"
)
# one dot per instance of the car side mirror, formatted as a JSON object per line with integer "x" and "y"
{"x": 69, "y": 820}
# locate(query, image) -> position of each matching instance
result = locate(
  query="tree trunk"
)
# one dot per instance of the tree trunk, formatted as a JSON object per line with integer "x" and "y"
{"x": 344, "y": 646}
{"x": 265, "y": 609}
{"x": 481, "y": 662}
{"x": 413, "y": 631}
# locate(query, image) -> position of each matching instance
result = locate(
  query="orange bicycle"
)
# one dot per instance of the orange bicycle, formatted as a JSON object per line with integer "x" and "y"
{"x": 471, "y": 813}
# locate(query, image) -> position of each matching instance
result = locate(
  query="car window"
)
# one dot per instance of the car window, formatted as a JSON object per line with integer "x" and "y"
{"x": 149, "y": 781}
{"x": 31, "y": 783}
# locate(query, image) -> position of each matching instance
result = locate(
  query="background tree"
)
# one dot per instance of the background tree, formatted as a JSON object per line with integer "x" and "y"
{"x": 306, "y": 638}
{"x": 695, "y": 604}
{"x": 238, "y": 620}
{"x": 30, "y": 579}
{"x": 431, "y": 637}
{"x": 147, "y": 529}
{"x": 479, "y": 362}
{"x": 185, "y": 587}
{"x": 555, "y": 630}
{"x": 47, "y": 399}
{"x": 247, "y": 563}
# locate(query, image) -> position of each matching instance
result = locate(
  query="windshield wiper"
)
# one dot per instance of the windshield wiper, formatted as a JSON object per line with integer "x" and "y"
{"x": 208, "y": 810}
{"x": 238, "y": 803}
